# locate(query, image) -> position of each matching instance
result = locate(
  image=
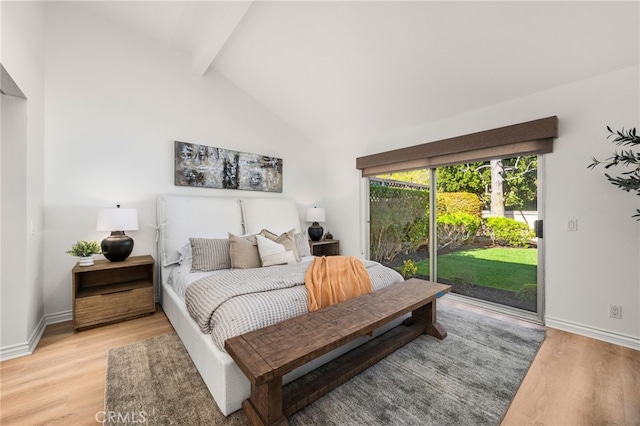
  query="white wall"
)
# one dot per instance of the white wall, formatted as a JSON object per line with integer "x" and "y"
{"x": 115, "y": 104}
{"x": 585, "y": 270}
{"x": 22, "y": 177}
{"x": 14, "y": 243}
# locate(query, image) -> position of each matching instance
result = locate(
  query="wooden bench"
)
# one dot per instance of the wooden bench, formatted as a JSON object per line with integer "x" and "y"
{"x": 265, "y": 355}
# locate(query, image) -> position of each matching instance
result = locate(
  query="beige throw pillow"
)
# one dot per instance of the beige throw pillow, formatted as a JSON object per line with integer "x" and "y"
{"x": 244, "y": 251}
{"x": 272, "y": 253}
{"x": 288, "y": 240}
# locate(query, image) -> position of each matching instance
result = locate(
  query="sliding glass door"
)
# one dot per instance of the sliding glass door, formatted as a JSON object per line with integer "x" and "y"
{"x": 487, "y": 248}
{"x": 467, "y": 225}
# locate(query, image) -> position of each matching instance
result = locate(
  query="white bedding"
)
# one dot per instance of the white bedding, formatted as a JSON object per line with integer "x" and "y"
{"x": 181, "y": 276}
{"x": 230, "y": 302}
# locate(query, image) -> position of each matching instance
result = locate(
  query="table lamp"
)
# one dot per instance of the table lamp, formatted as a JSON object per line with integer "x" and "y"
{"x": 117, "y": 246}
{"x": 315, "y": 215}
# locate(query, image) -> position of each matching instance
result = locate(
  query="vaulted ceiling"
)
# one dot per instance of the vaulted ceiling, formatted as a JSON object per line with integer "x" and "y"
{"x": 332, "y": 68}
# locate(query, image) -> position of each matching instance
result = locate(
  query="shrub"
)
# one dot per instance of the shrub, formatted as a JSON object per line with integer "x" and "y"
{"x": 456, "y": 229}
{"x": 505, "y": 231}
{"x": 409, "y": 269}
{"x": 398, "y": 221}
{"x": 459, "y": 202}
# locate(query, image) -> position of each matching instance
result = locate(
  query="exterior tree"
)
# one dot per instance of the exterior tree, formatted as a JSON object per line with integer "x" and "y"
{"x": 521, "y": 182}
{"x": 500, "y": 183}
{"x": 470, "y": 177}
{"x": 497, "y": 194}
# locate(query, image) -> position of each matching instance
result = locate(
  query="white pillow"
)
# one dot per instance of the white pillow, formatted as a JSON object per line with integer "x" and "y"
{"x": 287, "y": 240}
{"x": 272, "y": 253}
{"x": 185, "y": 254}
{"x": 302, "y": 245}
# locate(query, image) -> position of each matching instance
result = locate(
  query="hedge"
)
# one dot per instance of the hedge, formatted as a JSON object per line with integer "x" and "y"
{"x": 399, "y": 221}
{"x": 505, "y": 231}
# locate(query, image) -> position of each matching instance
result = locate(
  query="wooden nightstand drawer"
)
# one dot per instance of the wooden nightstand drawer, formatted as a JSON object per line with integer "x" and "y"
{"x": 109, "y": 307}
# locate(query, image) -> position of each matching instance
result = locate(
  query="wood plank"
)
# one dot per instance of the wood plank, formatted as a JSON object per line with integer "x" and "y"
{"x": 577, "y": 380}
{"x": 248, "y": 359}
{"x": 63, "y": 381}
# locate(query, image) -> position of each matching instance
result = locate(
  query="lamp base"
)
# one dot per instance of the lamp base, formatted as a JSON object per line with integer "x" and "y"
{"x": 315, "y": 231}
{"x": 117, "y": 246}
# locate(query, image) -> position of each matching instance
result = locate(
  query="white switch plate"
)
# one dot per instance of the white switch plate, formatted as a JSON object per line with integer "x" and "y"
{"x": 572, "y": 225}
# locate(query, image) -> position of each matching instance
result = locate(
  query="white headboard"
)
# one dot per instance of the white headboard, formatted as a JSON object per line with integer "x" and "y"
{"x": 278, "y": 215}
{"x": 181, "y": 217}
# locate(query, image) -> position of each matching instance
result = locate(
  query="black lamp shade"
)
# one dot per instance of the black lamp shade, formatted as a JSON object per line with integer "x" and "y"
{"x": 315, "y": 231}
{"x": 117, "y": 246}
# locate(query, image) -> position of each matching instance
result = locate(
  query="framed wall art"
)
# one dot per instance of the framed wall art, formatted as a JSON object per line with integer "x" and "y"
{"x": 210, "y": 167}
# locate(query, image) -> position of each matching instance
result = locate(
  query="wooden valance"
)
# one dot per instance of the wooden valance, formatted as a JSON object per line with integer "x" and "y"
{"x": 532, "y": 137}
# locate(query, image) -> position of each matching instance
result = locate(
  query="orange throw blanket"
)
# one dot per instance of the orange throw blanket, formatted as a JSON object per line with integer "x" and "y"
{"x": 334, "y": 279}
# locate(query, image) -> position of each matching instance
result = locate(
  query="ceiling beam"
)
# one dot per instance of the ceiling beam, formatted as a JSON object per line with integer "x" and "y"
{"x": 223, "y": 21}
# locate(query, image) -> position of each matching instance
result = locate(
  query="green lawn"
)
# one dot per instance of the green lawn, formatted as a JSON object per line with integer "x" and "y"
{"x": 498, "y": 267}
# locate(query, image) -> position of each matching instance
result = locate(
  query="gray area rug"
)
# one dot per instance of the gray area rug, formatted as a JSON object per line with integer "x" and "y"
{"x": 469, "y": 378}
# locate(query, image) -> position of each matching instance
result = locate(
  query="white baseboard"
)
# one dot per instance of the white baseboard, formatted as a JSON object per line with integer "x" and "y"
{"x": 14, "y": 351}
{"x": 59, "y": 317}
{"x": 593, "y": 332}
{"x": 26, "y": 348}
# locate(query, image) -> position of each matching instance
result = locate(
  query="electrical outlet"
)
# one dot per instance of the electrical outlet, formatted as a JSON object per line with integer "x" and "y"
{"x": 615, "y": 311}
{"x": 572, "y": 225}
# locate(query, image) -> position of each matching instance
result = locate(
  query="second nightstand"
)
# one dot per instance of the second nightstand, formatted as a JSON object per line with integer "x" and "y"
{"x": 325, "y": 248}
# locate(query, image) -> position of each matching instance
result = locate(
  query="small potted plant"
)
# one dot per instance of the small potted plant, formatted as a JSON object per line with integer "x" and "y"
{"x": 85, "y": 250}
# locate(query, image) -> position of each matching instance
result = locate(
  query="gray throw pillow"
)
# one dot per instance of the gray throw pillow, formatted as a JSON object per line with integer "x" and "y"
{"x": 210, "y": 254}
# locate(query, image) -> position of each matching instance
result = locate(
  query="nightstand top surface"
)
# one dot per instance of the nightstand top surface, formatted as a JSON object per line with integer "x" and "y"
{"x": 102, "y": 264}
{"x": 325, "y": 242}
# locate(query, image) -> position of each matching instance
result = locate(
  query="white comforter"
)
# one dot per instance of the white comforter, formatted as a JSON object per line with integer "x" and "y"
{"x": 231, "y": 302}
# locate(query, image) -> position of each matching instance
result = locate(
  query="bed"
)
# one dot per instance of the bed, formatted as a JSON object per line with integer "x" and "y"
{"x": 188, "y": 228}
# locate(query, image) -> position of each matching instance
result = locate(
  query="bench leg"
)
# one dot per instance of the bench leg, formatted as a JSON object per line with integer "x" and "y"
{"x": 264, "y": 407}
{"x": 434, "y": 328}
{"x": 427, "y": 315}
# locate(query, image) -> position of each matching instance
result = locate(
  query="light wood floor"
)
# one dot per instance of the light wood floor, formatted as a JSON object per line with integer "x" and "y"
{"x": 573, "y": 380}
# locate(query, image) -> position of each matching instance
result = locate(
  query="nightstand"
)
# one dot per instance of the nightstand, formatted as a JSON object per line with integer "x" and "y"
{"x": 113, "y": 291}
{"x": 325, "y": 248}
